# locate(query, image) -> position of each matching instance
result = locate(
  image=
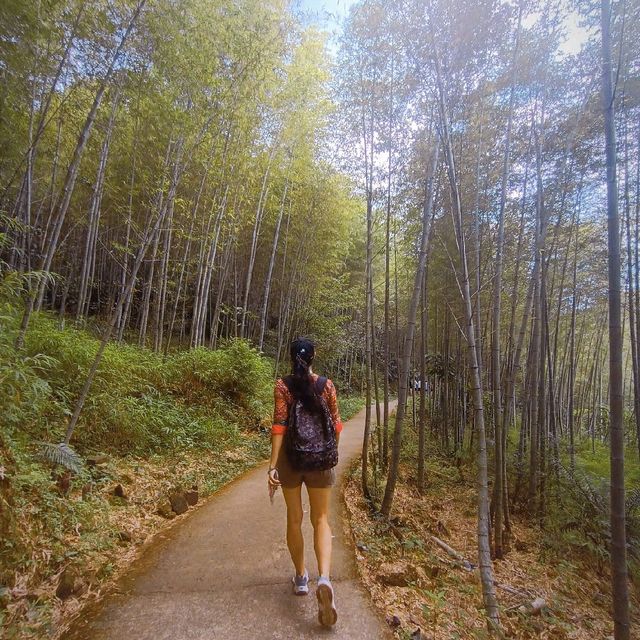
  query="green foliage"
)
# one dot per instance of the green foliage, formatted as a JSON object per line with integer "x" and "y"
{"x": 231, "y": 379}
{"x": 139, "y": 402}
{"x": 233, "y": 100}
{"x": 24, "y": 389}
{"x": 23, "y": 392}
{"x": 593, "y": 457}
{"x": 349, "y": 406}
{"x": 61, "y": 454}
{"x": 578, "y": 517}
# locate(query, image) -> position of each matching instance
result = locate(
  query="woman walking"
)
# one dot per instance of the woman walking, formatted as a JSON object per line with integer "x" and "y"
{"x": 304, "y": 438}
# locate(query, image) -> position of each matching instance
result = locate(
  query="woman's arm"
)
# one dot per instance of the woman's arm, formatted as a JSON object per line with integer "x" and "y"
{"x": 276, "y": 443}
{"x": 280, "y": 416}
{"x": 332, "y": 402}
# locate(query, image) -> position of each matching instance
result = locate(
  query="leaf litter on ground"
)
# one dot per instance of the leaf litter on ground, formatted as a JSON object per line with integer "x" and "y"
{"x": 101, "y": 549}
{"x": 443, "y": 600}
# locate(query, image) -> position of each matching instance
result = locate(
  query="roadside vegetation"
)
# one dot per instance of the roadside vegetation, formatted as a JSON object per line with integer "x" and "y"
{"x": 154, "y": 426}
{"x": 552, "y": 582}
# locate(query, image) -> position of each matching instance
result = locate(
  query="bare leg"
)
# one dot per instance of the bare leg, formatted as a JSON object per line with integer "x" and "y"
{"x": 295, "y": 541}
{"x": 319, "y": 500}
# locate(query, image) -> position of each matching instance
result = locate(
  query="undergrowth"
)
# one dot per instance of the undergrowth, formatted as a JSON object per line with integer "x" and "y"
{"x": 194, "y": 417}
{"x": 349, "y": 406}
{"x": 140, "y": 401}
{"x": 576, "y": 514}
{"x": 577, "y": 519}
{"x": 559, "y": 558}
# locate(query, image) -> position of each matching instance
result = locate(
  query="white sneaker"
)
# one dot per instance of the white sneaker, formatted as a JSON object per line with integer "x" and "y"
{"x": 301, "y": 584}
{"x": 327, "y": 614}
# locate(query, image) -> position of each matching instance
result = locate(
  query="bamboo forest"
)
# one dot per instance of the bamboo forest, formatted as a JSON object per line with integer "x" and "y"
{"x": 443, "y": 195}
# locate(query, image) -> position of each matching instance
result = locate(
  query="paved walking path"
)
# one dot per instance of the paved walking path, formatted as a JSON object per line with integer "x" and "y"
{"x": 225, "y": 574}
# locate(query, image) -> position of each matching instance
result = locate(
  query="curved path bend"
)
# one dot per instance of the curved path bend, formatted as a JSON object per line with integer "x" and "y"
{"x": 224, "y": 573}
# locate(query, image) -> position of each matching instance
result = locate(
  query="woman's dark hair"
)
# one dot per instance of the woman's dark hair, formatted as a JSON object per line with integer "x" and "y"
{"x": 302, "y": 352}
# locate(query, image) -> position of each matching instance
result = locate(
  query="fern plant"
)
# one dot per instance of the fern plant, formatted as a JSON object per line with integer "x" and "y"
{"x": 61, "y": 454}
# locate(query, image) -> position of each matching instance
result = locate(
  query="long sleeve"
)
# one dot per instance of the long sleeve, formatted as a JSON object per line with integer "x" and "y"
{"x": 332, "y": 402}
{"x": 280, "y": 409}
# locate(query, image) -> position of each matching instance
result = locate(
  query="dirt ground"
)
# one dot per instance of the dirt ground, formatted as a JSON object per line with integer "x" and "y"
{"x": 437, "y": 598}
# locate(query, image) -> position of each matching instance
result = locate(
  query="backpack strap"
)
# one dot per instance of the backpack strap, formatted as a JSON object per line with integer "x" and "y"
{"x": 321, "y": 383}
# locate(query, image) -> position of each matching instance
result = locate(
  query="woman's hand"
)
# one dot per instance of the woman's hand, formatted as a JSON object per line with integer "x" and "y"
{"x": 276, "y": 443}
{"x": 273, "y": 480}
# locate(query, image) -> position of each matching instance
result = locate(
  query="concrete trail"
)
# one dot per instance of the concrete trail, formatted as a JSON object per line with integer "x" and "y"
{"x": 224, "y": 573}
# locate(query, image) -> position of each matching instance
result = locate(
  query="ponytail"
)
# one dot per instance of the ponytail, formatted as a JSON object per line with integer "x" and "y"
{"x": 302, "y": 352}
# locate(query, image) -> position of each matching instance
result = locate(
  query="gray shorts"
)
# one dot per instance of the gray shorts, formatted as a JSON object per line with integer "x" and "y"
{"x": 291, "y": 478}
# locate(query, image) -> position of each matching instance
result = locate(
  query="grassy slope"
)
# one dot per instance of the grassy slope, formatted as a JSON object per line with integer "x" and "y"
{"x": 193, "y": 418}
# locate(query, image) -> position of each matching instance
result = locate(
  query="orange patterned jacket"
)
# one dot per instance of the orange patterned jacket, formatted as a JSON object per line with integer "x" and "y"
{"x": 283, "y": 400}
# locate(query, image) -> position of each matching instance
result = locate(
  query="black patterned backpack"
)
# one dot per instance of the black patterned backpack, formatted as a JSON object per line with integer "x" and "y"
{"x": 310, "y": 439}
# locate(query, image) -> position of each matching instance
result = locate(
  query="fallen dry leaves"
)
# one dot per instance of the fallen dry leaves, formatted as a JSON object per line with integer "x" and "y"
{"x": 446, "y": 603}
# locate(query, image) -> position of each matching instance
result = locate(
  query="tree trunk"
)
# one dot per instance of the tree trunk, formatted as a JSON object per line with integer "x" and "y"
{"x": 423, "y": 377}
{"x": 367, "y": 420}
{"x": 427, "y": 215}
{"x": 272, "y": 260}
{"x": 88, "y": 263}
{"x": 616, "y": 429}
{"x": 149, "y": 234}
{"x": 254, "y": 239}
{"x": 496, "y": 368}
{"x": 484, "y": 551}
{"x": 200, "y": 313}
{"x": 72, "y": 171}
{"x": 633, "y": 293}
